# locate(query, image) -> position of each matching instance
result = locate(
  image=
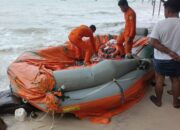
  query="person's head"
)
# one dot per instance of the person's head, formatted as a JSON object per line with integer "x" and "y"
{"x": 93, "y": 28}
{"x": 123, "y": 4}
{"x": 171, "y": 8}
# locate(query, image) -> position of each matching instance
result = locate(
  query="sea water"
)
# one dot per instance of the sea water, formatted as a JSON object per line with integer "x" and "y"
{"x": 34, "y": 24}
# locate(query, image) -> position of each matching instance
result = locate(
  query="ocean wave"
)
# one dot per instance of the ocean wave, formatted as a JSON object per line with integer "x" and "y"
{"x": 11, "y": 49}
{"x": 16, "y": 48}
{"x": 65, "y": 14}
{"x": 71, "y": 15}
{"x": 26, "y": 47}
{"x": 31, "y": 30}
{"x": 110, "y": 24}
{"x": 103, "y": 12}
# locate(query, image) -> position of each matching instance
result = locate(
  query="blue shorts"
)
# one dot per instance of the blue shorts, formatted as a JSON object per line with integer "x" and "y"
{"x": 167, "y": 67}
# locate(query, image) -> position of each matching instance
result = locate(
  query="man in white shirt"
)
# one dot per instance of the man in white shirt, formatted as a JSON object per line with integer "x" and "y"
{"x": 165, "y": 38}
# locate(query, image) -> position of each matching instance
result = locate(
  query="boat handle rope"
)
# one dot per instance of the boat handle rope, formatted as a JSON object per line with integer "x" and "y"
{"x": 121, "y": 90}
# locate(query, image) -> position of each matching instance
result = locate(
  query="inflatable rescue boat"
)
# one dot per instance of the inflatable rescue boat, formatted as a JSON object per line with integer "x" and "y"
{"x": 51, "y": 80}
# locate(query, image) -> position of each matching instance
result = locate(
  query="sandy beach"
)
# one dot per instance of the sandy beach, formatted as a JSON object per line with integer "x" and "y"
{"x": 142, "y": 116}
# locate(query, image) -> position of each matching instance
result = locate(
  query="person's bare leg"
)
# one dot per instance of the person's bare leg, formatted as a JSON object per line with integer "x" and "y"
{"x": 175, "y": 91}
{"x": 170, "y": 92}
{"x": 128, "y": 48}
{"x": 120, "y": 41}
{"x": 157, "y": 100}
{"x": 3, "y": 126}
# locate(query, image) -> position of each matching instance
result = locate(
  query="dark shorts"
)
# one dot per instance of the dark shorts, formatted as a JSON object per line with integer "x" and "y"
{"x": 167, "y": 67}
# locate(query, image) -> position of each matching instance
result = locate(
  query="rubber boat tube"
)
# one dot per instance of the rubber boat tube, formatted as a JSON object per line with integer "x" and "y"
{"x": 87, "y": 77}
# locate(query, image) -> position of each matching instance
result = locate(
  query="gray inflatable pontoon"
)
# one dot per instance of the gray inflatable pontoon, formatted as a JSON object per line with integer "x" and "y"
{"x": 96, "y": 82}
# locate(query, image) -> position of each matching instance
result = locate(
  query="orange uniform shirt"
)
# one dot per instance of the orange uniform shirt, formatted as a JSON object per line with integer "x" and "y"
{"x": 130, "y": 23}
{"x": 85, "y": 50}
{"x": 129, "y": 32}
{"x": 82, "y": 31}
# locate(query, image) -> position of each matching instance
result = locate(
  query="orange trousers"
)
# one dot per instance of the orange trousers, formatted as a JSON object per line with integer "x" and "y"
{"x": 124, "y": 46}
{"x": 84, "y": 49}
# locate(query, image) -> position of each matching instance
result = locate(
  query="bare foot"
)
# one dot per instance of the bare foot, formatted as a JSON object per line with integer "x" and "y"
{"x": 155, "y": 101}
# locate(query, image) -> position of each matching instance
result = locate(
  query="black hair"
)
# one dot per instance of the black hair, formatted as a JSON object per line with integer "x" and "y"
{"x": 92, "y": 27}
{"x": 123, "y": 3}
{"x": 173, "y": 5}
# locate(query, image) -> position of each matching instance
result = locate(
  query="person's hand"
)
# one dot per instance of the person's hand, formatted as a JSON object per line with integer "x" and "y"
{"x": 174, "y": 55}
{"x": 86, "y": 63}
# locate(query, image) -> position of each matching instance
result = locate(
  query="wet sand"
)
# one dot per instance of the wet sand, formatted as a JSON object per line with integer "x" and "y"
{"x": 142, "y": 116}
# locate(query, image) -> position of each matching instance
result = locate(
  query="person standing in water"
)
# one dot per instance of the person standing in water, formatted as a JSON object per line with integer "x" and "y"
{"x": 125, "y": 39}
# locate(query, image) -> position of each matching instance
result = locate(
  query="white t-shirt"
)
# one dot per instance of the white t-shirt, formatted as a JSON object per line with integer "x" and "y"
{"x": 167, "y": 32}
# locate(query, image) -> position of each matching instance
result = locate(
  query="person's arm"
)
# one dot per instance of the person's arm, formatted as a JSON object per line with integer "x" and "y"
{"x": 88, "y": 33}
{"x": 93, "y": 43}
{"x": 132, "y": 20}
{"x": 87, "y": 58}
{"x": 156, "y": 44}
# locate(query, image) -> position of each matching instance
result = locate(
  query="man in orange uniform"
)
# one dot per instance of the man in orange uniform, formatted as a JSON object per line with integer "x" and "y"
{"x": 76, "y": 37}
{"x": 129, "y": 32}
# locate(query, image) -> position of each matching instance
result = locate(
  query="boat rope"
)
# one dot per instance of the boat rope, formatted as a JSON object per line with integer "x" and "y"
{"x": 39, "y": 119}
{"x": 121, "y": 90}
{"x": 42, "y": 118}
{"x": 52, "y": 125}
